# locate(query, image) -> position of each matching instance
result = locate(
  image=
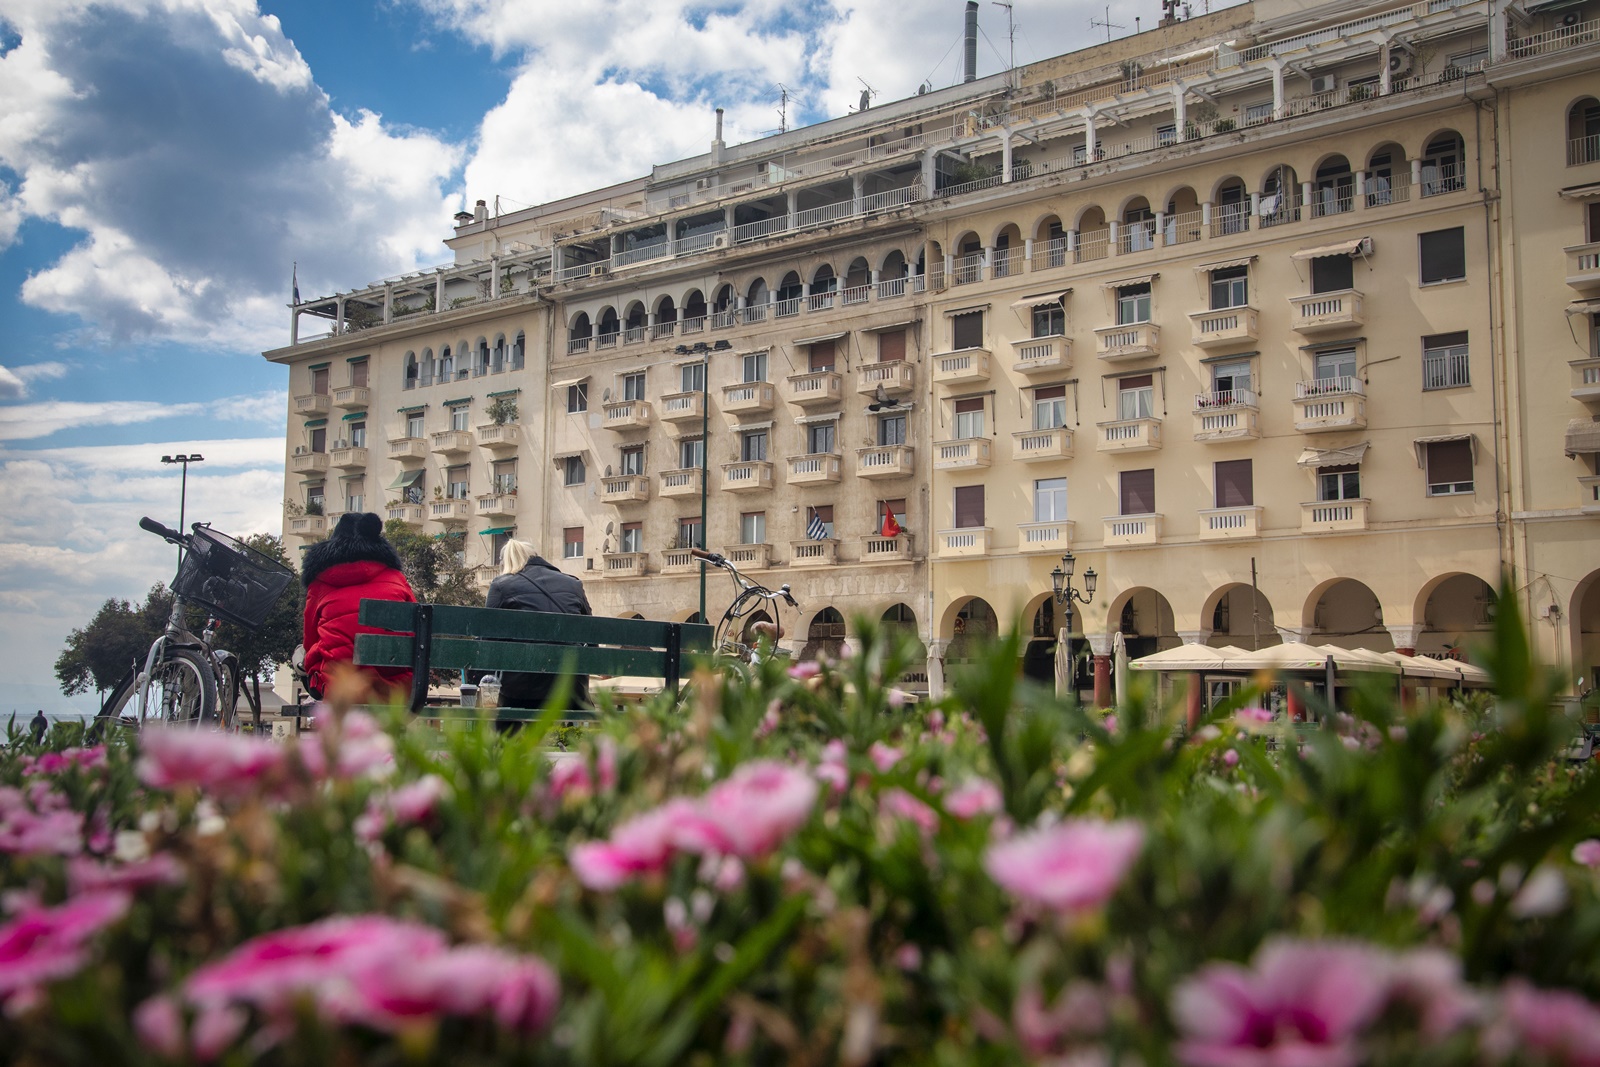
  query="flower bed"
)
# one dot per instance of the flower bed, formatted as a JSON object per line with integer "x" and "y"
{"x": 804, "y": 868}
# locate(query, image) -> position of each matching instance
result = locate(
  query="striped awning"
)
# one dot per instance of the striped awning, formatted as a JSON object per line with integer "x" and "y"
{"x": 1041, "y": 299}
{"x": 1343, "y": 248}
{"x": 1583, "y": 436}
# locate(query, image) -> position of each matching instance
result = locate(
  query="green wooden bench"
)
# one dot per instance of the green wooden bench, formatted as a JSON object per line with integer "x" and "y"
{"x": 437, "y": 637}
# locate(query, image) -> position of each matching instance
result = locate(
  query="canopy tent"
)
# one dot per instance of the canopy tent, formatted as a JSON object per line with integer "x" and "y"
{"x": 1189, "y": 658}
{"x": 1298, "y": 656}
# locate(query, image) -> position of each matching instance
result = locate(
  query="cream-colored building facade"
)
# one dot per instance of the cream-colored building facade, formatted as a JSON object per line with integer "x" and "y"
{"x": 1283, "y": 319}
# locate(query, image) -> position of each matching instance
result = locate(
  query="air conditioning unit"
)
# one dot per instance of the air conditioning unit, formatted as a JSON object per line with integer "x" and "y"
{"x": 1570, "y": 19}
{"x": 1365, "y": 247}
{"x": 1324, "y": 83}
{"x": 719, "y": 241}
{"x": 599, "y": 270}
{"x": 1400, "y": 61}
{"x": 300, "y": 450}
{"x": 341, "y": 444}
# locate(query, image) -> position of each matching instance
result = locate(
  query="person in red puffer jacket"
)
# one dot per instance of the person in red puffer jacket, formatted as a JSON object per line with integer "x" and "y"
{"x": 354, "y": 564}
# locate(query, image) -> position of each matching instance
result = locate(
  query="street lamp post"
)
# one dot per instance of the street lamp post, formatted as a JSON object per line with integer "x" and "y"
{"x": 183, "y": 488}
{"x": 1061, "y": 583}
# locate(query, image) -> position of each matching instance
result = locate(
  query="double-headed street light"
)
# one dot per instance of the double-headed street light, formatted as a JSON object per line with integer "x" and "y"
{"x": 183, "y": 488}
{"x": 1061, "y": 583}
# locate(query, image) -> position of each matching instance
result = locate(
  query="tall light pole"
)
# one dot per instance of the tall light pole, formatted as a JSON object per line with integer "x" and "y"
{"x": 183, "y": 488}
{"x": 705, "y": 469}
{"x": 1061, "y": 584}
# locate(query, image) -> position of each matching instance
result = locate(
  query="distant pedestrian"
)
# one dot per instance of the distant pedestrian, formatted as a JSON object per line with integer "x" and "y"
{"x": 39, "y": 726}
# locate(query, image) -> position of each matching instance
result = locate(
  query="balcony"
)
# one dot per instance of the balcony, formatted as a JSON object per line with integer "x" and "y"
{"x": 1124, "y": 531}
{"x": 308, "y": 525}
{"x": 1044, "y": 536}
{"x": 972, "y": 541}
{"x": 1230, "y": 524}
{"x": 968, "y": 367}
{"x": 352, "y": 398}
{"x": 683, "y": 407}
{"x": 308, "y": 462}
{"x": 348, "y": 459}
{"x": 876, "y": 549}
{"x": 896, "y": 376}
{"x": 749, "y": 557}
{"x": 1130, "y": 435}
{"x": 678, "y": 561}
{"x": 410, "y": 514}
{"x": 819, "y": 468}
{"x": 624, "y": 564}
{"x": 498, "y": 437}
{"x": 1226, "y": 415}
{"x": 497, "y": 506}
{"x": 1325, "y": 405}
{"x": 968, "y": 453}
{"x": 1029, "y": 445}
{"x": 814, "y": 553}
{"x": 747, "y": 398}
{"x": 1333, "y": 516}
{"x": 1041, "y": 355}
{"x": 627, "y": 414}
{"x": 1586, "y": 380}
{"x": 1589, "y": 494}
{"x": 684, "y": 482}
{"x": 1583, "y": 267}
{"x": 625, "y": 489}
{"x": 311, "y": 404}
{"x": 747, "y": 476}
{"x": 884, "y": 461}
{"x": 1225, "y": 326}
{"x": 451, "y": 442}
{"x": 1325, "y": 311}
{"x": 456, "y": 509}
{"x": 1133, "y": 341}
{"x": 818, "y": 387}
{"x": 404, "y": 448}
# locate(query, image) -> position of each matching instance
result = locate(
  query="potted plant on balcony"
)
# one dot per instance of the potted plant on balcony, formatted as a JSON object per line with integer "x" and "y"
{"x": 502, "y": 410}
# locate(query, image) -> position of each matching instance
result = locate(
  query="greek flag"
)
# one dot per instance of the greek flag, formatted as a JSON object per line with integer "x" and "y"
{"x": 815, "y": 529}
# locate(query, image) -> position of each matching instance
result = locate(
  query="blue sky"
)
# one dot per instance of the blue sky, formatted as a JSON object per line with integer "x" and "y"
{"x": 164, "y": 162}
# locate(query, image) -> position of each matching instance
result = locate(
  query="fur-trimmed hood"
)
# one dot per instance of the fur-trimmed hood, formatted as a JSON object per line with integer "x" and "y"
{"x": 356, "y": 539}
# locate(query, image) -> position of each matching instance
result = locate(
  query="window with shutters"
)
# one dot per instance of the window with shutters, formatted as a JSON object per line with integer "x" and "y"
{"x": 1443, "y": 255}
{"x": 632, "y": 539}
{"x": 1136, "y": 492}
{"x": 891, "y": 346}
{"x": 632, "y": 460}
{"x": 1230, "y": 287}
{"x": 633, "y": 386}
{"x": 1050, "y": 500}
{"x": 691, "y": 453}
{"x": 822, "y": 356}
{"x": 1049, "y": 407}
{"x": 1136, "y": 397}
{"x": 355, "y": 494}
{"x": 753, "y": 528}
{"x": 319, "y": 439}
{"x": 753, "y": 445}
{"x": 969, "y": 418}
{"x": 1133, "y": 304}
{"x": 1449, "y": 467}
{"x": 457, "y": 482}
{"x": 1444, "y": 361}
{"x": 572, "y": 542}
{"x": 821, "y": 437}
{"x": 1339, "y": 483}
{"x": 573, "y": 471}
{"x": 358, "y": 374}
{"x": 503, "y": 477}
{"x": 1591, "y": 218}
{"x": 968, "y": 502}
{"x": 319, "y": 381}
{"x": 891, "y": 429}
{"x": 316, "y": 500}
{"x": 966, "y": 330}
{"x": 1234, "y": 486}
{"x": 1332, "y": 274}
{"x": 358, "y": 434}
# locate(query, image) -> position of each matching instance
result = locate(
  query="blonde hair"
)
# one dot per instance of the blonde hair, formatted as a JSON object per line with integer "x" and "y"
{"x": 515, "y": 556}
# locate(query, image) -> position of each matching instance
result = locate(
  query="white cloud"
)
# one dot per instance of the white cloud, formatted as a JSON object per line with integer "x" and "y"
{"x": 23, "y": 422}
{"x": 14, "y": 381}
{"x": 11, "y": 385}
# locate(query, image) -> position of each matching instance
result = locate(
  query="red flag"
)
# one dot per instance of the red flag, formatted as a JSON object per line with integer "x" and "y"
{"x": 891, "y": 528}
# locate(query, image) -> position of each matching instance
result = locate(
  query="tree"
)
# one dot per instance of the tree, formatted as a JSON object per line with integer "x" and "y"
{"x": 434, "y": 565}
{"x": 273, "y": 642}
{"x": 119, "y": 635}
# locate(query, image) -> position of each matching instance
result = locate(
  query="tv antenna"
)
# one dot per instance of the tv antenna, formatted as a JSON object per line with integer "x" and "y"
{"x": 1011, "y": 32}
{"x": 867, "y": 93}
{"x": 783, "y": 108}
{"x": 1107, "y": 23}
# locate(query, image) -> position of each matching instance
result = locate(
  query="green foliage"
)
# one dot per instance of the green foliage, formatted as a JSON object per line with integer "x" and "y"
{"x": 433, "y": 565}
{"x": 502, "y": 410}
{"x": 273, "y": 642}
{"x": 100, "y": 653}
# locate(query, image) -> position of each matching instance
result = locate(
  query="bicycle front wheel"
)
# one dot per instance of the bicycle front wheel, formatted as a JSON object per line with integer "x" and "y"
{"x": 183, "y": 691}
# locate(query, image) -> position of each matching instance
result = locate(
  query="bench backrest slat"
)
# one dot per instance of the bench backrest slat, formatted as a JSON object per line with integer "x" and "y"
{"x": 534, "y": 625}
{"x": 461, "y": 653}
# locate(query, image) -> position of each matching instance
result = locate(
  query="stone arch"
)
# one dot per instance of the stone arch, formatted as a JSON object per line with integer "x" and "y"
{"x": 1583, "y": 614}
{"x": 823, "y": 279}
{"x": 859, "y": 273}
{"x": 694, "y": 304}
{"x": 1227, "y": 614}
{"x": 635, "y": 318}
{"x": 969, "y": 621}
{"x": 1090, "y": 218}
{"x": 790, "y": 287}
{"x": 1047, "y": 227}
{"x": 1453, "y": 610}
{"x": 666, "y": 309}
{"x": 1444, "y": 161}
{"x": 894, "y": 265}
{"x": 1145, "y": 619}
{"x": 1583, "y": 130}
{"x": 608, "y": 321}
{"x": 1345, "y": 612}
{"x": 724, "y": 298}
{"x": 756, "y": 292}
{"x": 825, "y": 635}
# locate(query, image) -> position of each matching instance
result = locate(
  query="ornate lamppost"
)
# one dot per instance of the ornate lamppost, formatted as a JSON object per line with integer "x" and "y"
{"x": 1065, "y": 594}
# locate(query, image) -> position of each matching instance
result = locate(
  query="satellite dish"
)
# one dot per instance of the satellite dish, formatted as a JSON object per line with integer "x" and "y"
{"x": 608, "y": 470}
{"x": 609, "y": 527}
{"x": 605, "y": 396}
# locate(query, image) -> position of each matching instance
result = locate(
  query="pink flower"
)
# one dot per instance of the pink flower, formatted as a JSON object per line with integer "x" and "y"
{"x": 42, "y": 944}
{"x": 1250, "y": 718}
{"x": 883, "y": 757}
{"x": 642, "y": 845}
{"x": 521, "y": 992}
{"x": 1072, "y": 865}
{"x": 1078, "y": 1012}
{"x": 1231, "y": 757}
{"x": 158, "y": 1024}
{"x": 569, "y": 774}
{"x": 40, "y": 822}
{"x": 974, "y": 797}
{"x": 1587, "y": 852}
{"x": 835, "y": 775}
{"x": 908, "y": 957}
{"x": 88, "y": 876}
{"x": 66, "y": 759}
{"x": 1559, "y": 1023}
{"x": 903, "y": 805}
{"x": 357, "y": 747}
{"x": 406, "y": 806}
{"x": 605, "y": 763}
{"x": 1429, "y": 979}
{"x": 217, "y": 1026}
{"x": 225, "y": 765}
{"x": 808, "y": 669}
{"x": 752, "y": 811}
{"x": 1303, "y": 1004}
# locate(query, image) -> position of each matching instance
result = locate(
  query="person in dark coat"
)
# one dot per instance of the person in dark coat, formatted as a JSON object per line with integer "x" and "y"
{"x": 354, "y": 564}
{"x": 40, "y": 726}
{"x": 527, "y": 582}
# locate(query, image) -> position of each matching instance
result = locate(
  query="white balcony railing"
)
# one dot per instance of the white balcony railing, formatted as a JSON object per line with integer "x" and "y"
{"x": 1130, "y": 435}
{"x": 1225, "y": 524}
{"x": 625, "y": 489}
{"x": 1127, "y": 530}
{"x": 968, "y": 453}
{"x": 680, "y": 407}
{"x": 1227, "y": 326}
{"x": 817, "y": 387}
{"x": 1130, "y": 341}
{"x": 682, "y": 482}
{"x": 876, "y": 549}
{"x": 816, "y": 469}
{"x": 1050, "y": 443}
{"x": 1333, "y": 516}
{"x": 747, "y": 475}
{"x": 1325, "y": 311}
{"x": 813, "y": 553}
{"x": 747, "y": 397}
{"x": 970, "y": 541}
{"x": 967, "y": 367}
{"x": 884, "y": 461}
{"x": 1583, "y": 266}
{"x": 895, "y": 376}
{"x": 1039, "y": 355}
{"x": 1044, "y": 536}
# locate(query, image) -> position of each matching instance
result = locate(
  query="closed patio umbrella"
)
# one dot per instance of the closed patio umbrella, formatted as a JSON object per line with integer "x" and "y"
{"x": 1189, "y": 658}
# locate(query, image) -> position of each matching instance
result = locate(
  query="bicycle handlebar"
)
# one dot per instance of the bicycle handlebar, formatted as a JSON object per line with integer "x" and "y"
{"x": 710, "y": 557}
{"x": 164, "y": 532}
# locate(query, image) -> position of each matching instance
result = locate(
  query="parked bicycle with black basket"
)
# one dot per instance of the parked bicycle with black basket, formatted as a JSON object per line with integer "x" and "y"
{"x": 183, "y": 680}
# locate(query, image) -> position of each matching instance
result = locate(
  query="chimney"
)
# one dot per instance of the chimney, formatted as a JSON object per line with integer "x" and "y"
{"x": 480, "y": 213}
{"x": 970, "y": 55}
{"x": 716, "y": 144}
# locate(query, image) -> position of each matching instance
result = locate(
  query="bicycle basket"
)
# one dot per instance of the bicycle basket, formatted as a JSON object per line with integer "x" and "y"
{"x": 229, "y": 577}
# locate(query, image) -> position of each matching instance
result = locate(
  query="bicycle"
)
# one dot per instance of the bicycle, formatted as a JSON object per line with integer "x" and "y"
{"x": 183, "y": 676}
{"x": 736, "y": 639}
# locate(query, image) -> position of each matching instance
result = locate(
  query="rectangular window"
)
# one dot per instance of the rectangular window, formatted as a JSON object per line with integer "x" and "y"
{"x": 753, "y": 528}
{"x": 1136, "y": 492}
{"x": 632, "y": 459}
{"x": 1449, "y": 467}
{"x": 316, "y": 501}
{"x": 572, "y": 542}
{"x": 1136, "y": 397}
{"x": 969, "y": 418}
{"x": 1336, "y": 365}
{"x": 689, "y": 532}
{"x": 1167, "y": 134}
{"x": 1049, "y": 407}
{"x": 755, "y": 367}
{"x": 891, "y": 429}
{"x": 1234, "y": 485}
{"x": 1332, "y": 274}
{"x": 821, "y": 437}
{"x": 1339, "y": 483}
{"x": 691, "y": 453}
{"x": 503, "y": 477}
{"x": 895, "y": 507}
{"x": 968, "y": 502}
{"x": 355, "y": 495}
{"x": 413, "y": 492}
{"x": 460, "y": 417}
{"x": 447, "y": 364}
{"x": 1444, "y": 361}
{"x": 497, "y": 545}
{"x": 1443, "y": 255}
{"x": 1592, "y": 219}
{"x": 633, "y": 386}
{"x": 414, "y": 425}
{"x": 1229, "y": 381}
{"x": 319, "y": 439}
{"x": 1133, "y": 304}
{"x": 457, "y": 482}
{"x": 358, "y": 435}
{"x": 358, "y": 374}
{"x": 1049, "y": 320}
{"x": 966, "y": 330}
{"x": 577, "y": 398}
{"x": 632, "y": 539}
{"x": 1050, "y": 500}
{"x": 819, "y": 522}
{"x": 1230, "y": 288}
{"x": 573, "y": 471}
{"x": 692, "y": 377}
{"x": 753, "y": 445}
{"x": 319, "y": 381}
{"x": 822, "y": 357}
{"x": 1257, "y": 113}
{"x": 891, "y": 346}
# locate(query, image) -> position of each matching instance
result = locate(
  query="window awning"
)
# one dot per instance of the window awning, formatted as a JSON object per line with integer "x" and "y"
{"x": 965, "y": 309}
{"x": 1343, "y": 248}
{"x": 413, "y": 409}
{"x": 1040, "y": 300}
{"x": 559, "y": 456}
{"x": 504, "y": 392}
{"x": 887, "y": 326}
{"x": 1588, "y": 191}
{"x": 458, "y": 402}
{"x": 353, "y": 416}
{"x": 496, "y": 530}
{"x": 1242, "y": 261}
{"x": 406, "y": 479}
{"x": 1348, "y": 456}
{"x": 1421, "y": 445}
{"x": 357, "y": 359}
{"x": 1584, "y": 307}
{"x": 829, "y": 416}
{"x": 1583, "y": 436}
{"x": 567, "y": 382}
{"x": 313, "y": 423}
{"x": 824, "y": 337}
{"x": 1123, "y": 283}
{"x": 743, "y": 426}
{"x": 319, "y": 366}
